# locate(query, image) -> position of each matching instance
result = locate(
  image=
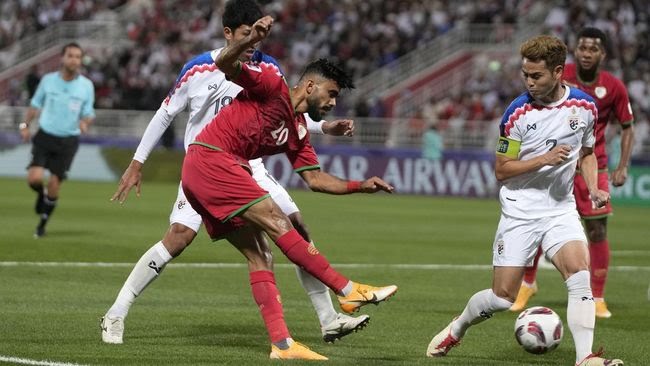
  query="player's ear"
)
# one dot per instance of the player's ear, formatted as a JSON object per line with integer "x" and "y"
{"x": 228, "y": 33}
{"x": 558, "y": 71}
{"x": 309, "y": 86}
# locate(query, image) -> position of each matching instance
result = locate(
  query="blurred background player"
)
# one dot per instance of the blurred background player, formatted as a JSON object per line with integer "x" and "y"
{"x": 267, "y": 118}
{"x": 65, "y": 101}
{"x": 545, "y": 133}
{"x": 613, "y": 104}
{"x": 194, "y": 89}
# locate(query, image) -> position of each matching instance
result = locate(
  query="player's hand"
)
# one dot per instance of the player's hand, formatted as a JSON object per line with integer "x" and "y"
{"x": 375, "y": 184}
{"x": 260, "y": 29}
{"x": 340, "y": 127}
{"x": 25, "y": 134}
{"x": 619, "y": 176}
{"x": 557, "y": 155}
{"x": 599, "y": 198}
{"x": 132, "y": 177}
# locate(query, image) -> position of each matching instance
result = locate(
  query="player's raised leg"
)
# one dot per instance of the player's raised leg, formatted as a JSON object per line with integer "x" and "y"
{"x": 251, "y": 243}
{"x": 333, "y": 325}
{"x": 268, "y": 216}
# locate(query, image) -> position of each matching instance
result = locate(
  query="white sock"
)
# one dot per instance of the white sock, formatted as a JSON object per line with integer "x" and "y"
{"x": 480, "y": 307}
{"x": 144, "y": 272}
{"x": 581, "y": 313}
{"x": 319, "y": 296}
{"x": 345, "y": 291}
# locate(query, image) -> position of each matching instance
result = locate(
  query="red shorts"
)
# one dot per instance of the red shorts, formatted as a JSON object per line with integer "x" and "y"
{"x": 583, "y": 201}
{"x": 219, "y": 186}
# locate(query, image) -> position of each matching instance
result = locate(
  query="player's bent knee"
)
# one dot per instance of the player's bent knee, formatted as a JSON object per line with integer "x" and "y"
{"x": 177, "y": 238}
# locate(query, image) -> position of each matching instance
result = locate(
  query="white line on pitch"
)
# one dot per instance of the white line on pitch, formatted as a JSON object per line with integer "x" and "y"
{"x": 26, "y": 361}
{"x": 630, "y": 253}
{"x": 464, "y": 267}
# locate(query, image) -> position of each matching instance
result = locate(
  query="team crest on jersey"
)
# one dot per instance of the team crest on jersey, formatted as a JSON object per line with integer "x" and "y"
{"x": 302, "y": 132}
{"x": 574, "y": 122}
{"x": 600, "y": 91}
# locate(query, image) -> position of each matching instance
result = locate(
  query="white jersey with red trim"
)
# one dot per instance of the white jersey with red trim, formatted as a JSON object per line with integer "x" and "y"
{"x": 538, "y": 128}
{"x": 203, "y": 88}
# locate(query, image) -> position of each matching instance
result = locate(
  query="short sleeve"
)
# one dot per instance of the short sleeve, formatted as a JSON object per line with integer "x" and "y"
{"x": 88, "y": 110}
{"x": 589, "y": 137}
{"x": 38, "y": 100}
{"x": 304, "y": 158}
{"x": 510, "y": 136}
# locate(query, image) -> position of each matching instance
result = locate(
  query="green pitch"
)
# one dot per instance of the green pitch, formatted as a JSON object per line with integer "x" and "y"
{"x": 196, "y": 316}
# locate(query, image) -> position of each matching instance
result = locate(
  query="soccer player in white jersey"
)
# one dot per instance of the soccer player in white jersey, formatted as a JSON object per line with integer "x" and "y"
{"x": 545, "y": 132}
{"x": 205, "y": 90}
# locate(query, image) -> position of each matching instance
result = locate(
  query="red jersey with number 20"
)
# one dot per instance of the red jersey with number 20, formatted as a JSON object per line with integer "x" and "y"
{"x": 261, "y": 120}
{"x": 611, "y": 99}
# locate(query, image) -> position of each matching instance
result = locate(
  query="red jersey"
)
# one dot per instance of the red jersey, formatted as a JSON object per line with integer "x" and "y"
{"x": 261, "y": 120}
{"x": 611, "y": 99}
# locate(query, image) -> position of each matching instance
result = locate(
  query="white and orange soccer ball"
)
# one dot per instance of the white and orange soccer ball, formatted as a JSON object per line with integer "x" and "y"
{"x": 538, "y": 330}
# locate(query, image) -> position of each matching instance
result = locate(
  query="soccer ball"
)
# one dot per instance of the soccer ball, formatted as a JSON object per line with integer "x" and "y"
{"x": 538, "y": 330}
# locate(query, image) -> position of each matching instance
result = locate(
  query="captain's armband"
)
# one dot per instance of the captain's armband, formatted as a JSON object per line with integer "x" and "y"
{"x": 508, "y": 147}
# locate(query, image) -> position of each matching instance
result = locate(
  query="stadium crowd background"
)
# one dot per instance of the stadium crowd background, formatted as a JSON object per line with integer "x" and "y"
{"x": 363, "y": 34}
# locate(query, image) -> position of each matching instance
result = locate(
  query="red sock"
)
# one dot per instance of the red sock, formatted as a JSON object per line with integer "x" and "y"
{"x": 599, "y": 255}
{"x": 307, "y": 256}
{"x": 530, "y": 273}
{"x": 267, "y": 297}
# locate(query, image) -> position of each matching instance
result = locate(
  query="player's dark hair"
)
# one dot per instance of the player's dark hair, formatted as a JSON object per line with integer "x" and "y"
{"x": 71, "y": 45}
{"x": 329, "y": 70}
{"x": 591, "y": 32}
{"x": 240, "y": 12}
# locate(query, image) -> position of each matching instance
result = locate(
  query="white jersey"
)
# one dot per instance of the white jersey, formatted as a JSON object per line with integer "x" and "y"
{"x": 202, "y": 88}
{"x": 532, "y": 129}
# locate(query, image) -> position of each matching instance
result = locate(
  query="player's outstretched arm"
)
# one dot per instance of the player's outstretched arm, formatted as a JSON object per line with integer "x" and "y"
{"x": 319, "y": 181}
{"x": 132, "y": 177}
{"x": 228, "y": 59}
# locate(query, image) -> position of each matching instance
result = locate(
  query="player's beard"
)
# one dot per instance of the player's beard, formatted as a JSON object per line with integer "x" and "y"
{"x": 313, "y": 109}
{"x": 588, "y": 75}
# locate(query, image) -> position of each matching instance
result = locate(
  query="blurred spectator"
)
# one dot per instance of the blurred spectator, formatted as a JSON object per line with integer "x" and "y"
{"x": 432, "y": 143}
{"x": 31, "y": 81}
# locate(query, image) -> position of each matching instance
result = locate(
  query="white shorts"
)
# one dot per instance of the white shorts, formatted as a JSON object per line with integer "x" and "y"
{"x": 183, "y": 213}
{"x": 269, "y": 184}
{"x": 517, "y": 240}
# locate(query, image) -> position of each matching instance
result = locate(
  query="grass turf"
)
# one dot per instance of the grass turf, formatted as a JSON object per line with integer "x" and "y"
{"x": 194, "y": 316}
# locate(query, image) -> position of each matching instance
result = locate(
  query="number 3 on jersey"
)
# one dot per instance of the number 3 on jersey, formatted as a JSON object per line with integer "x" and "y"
{"x": 220, "y": 103}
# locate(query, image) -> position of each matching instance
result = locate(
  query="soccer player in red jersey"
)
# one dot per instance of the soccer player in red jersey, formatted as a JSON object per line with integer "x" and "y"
{"x": 267, "y": 118}
{"x": 613, "y": 103}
